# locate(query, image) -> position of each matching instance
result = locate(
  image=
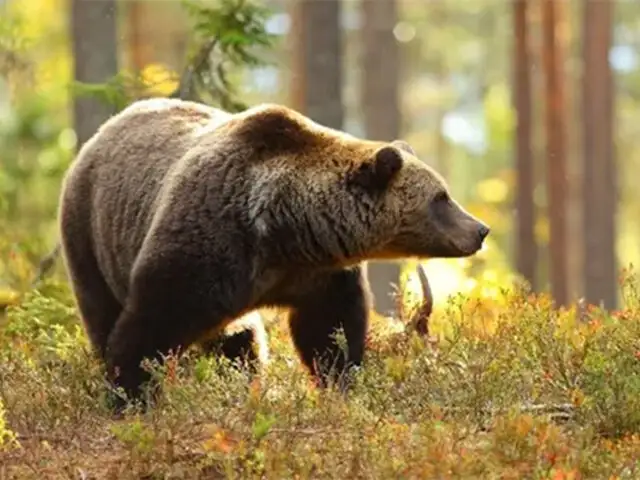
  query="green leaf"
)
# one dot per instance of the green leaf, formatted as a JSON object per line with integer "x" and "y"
{"x": 262, "y": 424}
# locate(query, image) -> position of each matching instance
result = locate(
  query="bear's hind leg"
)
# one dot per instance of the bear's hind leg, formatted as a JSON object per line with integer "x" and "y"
{"x": 243, "y": 340}
{"x": 340, "y": 301}
{"x": 96, "y": 303}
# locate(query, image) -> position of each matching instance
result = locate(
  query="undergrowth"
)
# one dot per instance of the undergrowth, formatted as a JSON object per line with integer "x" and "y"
{"x": 511, "y": 388}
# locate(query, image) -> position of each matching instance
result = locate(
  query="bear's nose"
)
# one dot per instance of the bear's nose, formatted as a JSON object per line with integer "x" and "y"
{"x": 483, "y": 231}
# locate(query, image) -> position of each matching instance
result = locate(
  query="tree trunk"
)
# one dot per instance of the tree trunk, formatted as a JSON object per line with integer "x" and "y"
{"x": 555, "y": 111}
{"x": 154, "y": 35}
{"x": 317, "y": 61}
{"x": 380, "y": 68}
{"x": 138, "y": 50}
{"x": 574, "y": 163}
{"x": 526, "y": 248}
{"x": 600, "y": 183}
{"x": 94, "y": 43}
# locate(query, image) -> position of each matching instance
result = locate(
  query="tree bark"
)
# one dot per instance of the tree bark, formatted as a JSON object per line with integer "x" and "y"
{"x": 94, "y": 45}
{"x": 526, "y": 248}
{"x": 317, "y": 61}
{"x": 380, "y": 72}
{"x": 380, "y": 77}
{"x": 600, "y": 182}
{"x": 555, "y": 124}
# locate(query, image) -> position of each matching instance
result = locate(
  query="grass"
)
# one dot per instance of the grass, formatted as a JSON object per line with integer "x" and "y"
{"x": 512, "y": 388}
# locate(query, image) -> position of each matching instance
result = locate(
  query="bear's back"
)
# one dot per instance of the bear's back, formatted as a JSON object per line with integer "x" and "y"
{"x": 117, "y": 176}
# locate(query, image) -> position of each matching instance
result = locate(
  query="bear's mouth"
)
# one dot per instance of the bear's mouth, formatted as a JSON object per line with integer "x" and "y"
{"x": 457, "y": 249}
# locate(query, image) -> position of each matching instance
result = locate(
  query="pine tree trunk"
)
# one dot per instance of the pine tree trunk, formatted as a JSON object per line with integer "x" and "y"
{"x": 94, "y": 43}
{"x": 555, "y": 124}
{"x": 317, "y": 61}
{"x": 600, "y": 182}
{"x": 526, "y": 248}
{"x": 380, "y": 68}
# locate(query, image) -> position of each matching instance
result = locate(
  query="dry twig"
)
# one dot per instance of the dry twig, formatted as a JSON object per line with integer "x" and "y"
{"x": 420, "y": 318}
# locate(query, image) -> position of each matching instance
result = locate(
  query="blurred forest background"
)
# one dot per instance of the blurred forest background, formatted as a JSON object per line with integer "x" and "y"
{"x": 530, "y": 109}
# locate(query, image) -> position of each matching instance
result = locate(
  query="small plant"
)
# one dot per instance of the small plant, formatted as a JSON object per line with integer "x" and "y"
{"x": 136, "y": 435}
{"x": 13, "y": 46}
{"x": 261, "y": 425}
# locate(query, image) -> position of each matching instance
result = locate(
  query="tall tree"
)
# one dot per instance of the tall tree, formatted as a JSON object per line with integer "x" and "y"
{"x": 556, "y": 130}
{"x": 526, "y": 248}
{"x": 94, "y": 43}
{"x": 317, "y": 60}
{"x": 600, "y": 184}
{"x": 138, "y": 49}
{"x": 570, "y": 32}
{"x": 154, "y": 35}
{"x": 380, "y": 69}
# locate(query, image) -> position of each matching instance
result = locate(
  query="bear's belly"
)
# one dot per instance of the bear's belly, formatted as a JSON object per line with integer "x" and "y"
{"x": 277, "y": 288}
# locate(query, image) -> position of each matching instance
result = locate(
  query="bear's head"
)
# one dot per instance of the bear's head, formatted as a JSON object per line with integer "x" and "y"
{"x": 414, "y": 213}
{"x": 333, "y": 198}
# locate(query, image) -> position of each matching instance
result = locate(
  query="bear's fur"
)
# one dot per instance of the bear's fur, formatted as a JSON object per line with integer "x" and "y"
{"x": 177, "y": 218}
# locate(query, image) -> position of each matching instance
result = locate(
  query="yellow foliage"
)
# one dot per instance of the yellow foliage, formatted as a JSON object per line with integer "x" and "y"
{"x": 44, "y": 23}
{"x": 493, "y": 190}
{"x": 541, "y": 230}
{"x": 450, "y": 277}
{"x": 8, "y": 296}
{"x": 491, "y": 214}
{"x": 160, "y": 80}
{"x": 577, "y": 397}
{"x": 7, "y": 437}
{"x": 499, "y": 112}
{"x": 523, "y": 425}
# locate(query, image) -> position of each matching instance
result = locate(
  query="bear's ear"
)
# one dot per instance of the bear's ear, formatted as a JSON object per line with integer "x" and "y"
{"x": 377, "y": 172}
{"x": 402, "y": 145}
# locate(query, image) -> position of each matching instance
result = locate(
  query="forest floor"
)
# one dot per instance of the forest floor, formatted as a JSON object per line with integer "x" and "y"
{"x": 512, "y": 388}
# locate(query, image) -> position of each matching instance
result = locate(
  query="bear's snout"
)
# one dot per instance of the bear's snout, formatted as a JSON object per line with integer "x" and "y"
{"x": 483, "y": 231}
{"x": 475, "y": 232}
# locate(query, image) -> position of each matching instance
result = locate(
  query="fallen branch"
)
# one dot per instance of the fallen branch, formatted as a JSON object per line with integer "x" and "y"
{"x": 559, "y": 411}
{"x": 420, "y": 318}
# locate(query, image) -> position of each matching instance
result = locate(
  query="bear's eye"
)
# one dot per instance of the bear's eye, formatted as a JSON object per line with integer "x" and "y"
{"x": 441, "y": 197}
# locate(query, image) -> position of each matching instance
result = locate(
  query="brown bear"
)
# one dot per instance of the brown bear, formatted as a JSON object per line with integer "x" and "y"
{"x": 177, "y": 218}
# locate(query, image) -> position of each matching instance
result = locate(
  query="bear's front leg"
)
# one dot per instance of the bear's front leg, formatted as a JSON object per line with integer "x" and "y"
{"x": 340, "y": 300}
{"x": 170, "y": 306}
{"x": 137, "y": 335}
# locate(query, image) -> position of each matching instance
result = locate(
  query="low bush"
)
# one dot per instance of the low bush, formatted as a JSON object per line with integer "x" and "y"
{"x": 511, "y": 388}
